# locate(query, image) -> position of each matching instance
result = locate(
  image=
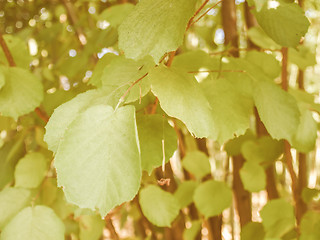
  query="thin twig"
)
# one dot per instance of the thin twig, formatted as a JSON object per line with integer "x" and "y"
{"x": 112, "y": 230}
{"x": 171, "y": 57}
{"x": 205, "y": 13}
{"x": 7, "y": 52}
{"x": 196, "y": 13}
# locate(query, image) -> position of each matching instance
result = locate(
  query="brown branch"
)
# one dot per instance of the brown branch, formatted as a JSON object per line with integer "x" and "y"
{"x": 196, "y": 13}
{"x": 287, "y": 147}
{"x": 171, "y": 57}
{"x": 42, "y": 114}
{"x": 6, "y": 51}
{"x": 110, "y": 227}
{"x": 74, "y": 21}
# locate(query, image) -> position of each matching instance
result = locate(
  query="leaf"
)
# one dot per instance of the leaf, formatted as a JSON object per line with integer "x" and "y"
{"x": 197, "y": 163}
{"x": 159, "y": 207}
{"x": 310, "y": 226}
{"x": 98, "y": 70}
{"x": 212, "y": 197}
{"x": 91, "y": 227}
{"x": 30, "y": 170}
{"x": 233, "y": 147}
{"x": 310, "y": 194}
{"x": 253, "y": 177}
{"x": 152, "y": 129}
{"x": 253, "y": 231}
{"x": 192, "y": 232}
{"x": 98, "y": 159}
{"x": 124, "y": 72}
{"x": 306, "y": 134}
{"x": 261, "y": 39}
{"x": 19, "y": 51}
{"x": 34, "y": 223}
{"x": 116, "y": 14}
{"x": 181, "y": 97}
{"x": 66, "y": 113}
{"x": 277, "y": 109}
{"x": 12, "y": 200}
{"x": 302, "y": 56}
{"x": 21, "y": 94}
{"x": 285, "y": 23}
{"x": 257, "y": 3}
{"x": 231, "y": 109}
{"x": 263, "y": 150}
{"x": 155, "y": 28}
{"x": 185, "y": 192}
{"x": 275, "y": 224}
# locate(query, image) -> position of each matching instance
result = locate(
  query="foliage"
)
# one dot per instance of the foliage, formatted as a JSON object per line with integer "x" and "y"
{"x": 131, "y": 112}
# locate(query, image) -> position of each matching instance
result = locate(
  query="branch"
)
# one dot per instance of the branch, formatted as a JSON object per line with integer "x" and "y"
{"x": 7, "y": 52}
{"x": 196, "y": 13}
{"x": 43, "y": 115}
{"x": 112, "y": 230}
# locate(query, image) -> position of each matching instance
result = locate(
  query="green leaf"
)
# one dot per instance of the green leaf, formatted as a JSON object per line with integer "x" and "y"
{"x": 306, "y": 134}
{"x": 124, "y": 72}
{"x": 155, "y": 28}
{"x": 34, "y": 223}
{"x": 309, "y": 194}
{"x": 231, "y": 109}
{"x": 253, "y": 231}
{"x": 233, "y": 147}
{"x": 91, "y": 227}
{"x": 2, "y": 79}
{"x": 275, "y": 224}
{"x": 253, "y": 177}
{"x": 261, "y": 39}
{"x": 98, "y": 70}
{"x": 192, "y": 232}
{"x": 262, "y": 150}
{"x": 19, "y": 51}
{"x": 31, "y": 170}
{"x": 212, "y": 197}
{"x": 64, "y": 115}
{"x": 116, "y": 14}
{"x": 21, "y": 94}
{"x": 185, "y": 192}
{"x": 302, "y": 56}
{"x": 181, "y": 97}
{"x": 285, "y": 23}
{"x": 197, "y": 163}
{"x": 277, "y": 109}
{"x": 310, "y": 226}
{"x": 159, "y": 207}
{"x": 267, "y": 63}
{"x": 98, "y": 160}
{"x": 12, "y": 200}
{"x": 152, "y": 130}
{"x": 257, "y": 3}
{"x": 305, "y": 98}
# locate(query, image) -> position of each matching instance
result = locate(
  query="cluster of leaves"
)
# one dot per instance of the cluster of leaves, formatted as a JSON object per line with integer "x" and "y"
{"x": 127, "y": 119}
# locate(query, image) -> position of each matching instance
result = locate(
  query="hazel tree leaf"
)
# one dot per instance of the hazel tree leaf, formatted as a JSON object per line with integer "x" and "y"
{"x": 261, "y": 39}
{"x": 64, "y": 115}
{"x": 91, "y": 227}
{"x": 12, "y": 200}
{"x": 34, "y": 223}
{"x": 21, "y": 94}
{"x": 302, "y": 56}
{"x": 181, "y": 97}
{"x": 197, "y": 163}
{"x": 155, "y": 28}
{"x": 30, "y": 170}
{"x": 124, "y": 72}
{"x": 19, "y": 51}
{"x": 192, "y": 232}
{"x": 306, "y": 134}
{"x": 231, "y": 109}
{"x": 285, "y": 23}
{"x": 253, "y": 231}
{"x": 253, "y": 177}
{"x": 277, "y": 109}
{"x": 115, "y": 15}
{"x": 159, "y": 207}
{"x": 152, "y": 130}
{"x": 98, "y": 160}
{"x": 185, "y": 192}
{"x": 95, "y": 79}
{"x": 275, "y": 224}
{"x": 212, "y": 197}
{"x": 310, "y": 226}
